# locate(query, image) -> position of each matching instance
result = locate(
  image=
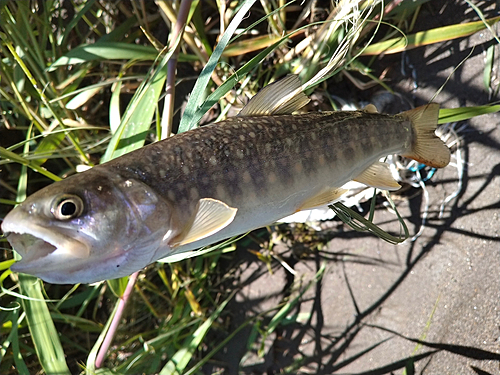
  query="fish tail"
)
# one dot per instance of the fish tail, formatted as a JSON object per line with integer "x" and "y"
{"x": 427, "y": 147}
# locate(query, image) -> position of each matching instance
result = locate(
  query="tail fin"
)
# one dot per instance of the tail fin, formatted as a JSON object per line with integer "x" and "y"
{"x": 427, "y": 148}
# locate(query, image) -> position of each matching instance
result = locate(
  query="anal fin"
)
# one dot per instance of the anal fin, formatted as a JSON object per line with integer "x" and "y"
{"x": 378, "y": 175}
{"x": 324, "y": 197}
{"x": 210, "y": 217}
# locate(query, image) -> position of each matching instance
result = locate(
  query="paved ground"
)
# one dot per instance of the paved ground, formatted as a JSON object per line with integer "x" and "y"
{"x": 430, "y": 306}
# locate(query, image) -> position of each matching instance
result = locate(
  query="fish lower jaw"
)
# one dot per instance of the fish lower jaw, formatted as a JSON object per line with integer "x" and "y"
{"x": 30, "y": 247}
{"x": 58, "y": 259}
{"x": 44, "y": 259}
{"x": 39, "y": 257}
{"x": 40, "y": 247}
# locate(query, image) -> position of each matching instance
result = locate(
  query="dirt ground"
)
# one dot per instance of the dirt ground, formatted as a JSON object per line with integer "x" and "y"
{"x": 430, "y": 306}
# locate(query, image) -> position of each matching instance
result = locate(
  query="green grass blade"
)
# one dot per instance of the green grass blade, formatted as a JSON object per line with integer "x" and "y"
{"x": 110, "y": 51}
{"x": 13, "y": 339}
{"x": 228, "y": 338}
{"x": 250, "y": 45}
{"x": 281, "y": 315}
{"x": 34, "y": 47}
{"x": 483, "y": 19}
{"x": 189, "y": 120}
{"x": 424, "y": 38}
{"x": 47, "y": 147}
{"x": 21, "y": 35}
{"x": 43, "y": 332}
{"x": 72, "y": 24}
{"x": 228, "y": 85}
{"x": 118, "y": 286}
{"x": 181, "y": 358}
{"x": 114, "y": 107}
{"x": 6, "y": 154}
{"x": 460, "y": 114}
{"x": 360, "y": 224}
{"x": 136, "y": 120}
{"x": 158, "y": 343}
{"x": 105, "y": 51}
{"x": 44, "y": 99}
{"x": 230, "y": 82}
{"x": 488, "y": 66}
{"x": 198, "y": 21}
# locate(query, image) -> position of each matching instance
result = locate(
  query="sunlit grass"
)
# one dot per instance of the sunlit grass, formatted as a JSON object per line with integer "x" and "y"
{"x": 75, "y": 85}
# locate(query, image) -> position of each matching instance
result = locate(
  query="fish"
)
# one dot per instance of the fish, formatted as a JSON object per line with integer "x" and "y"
{"x": 205, "y": 185}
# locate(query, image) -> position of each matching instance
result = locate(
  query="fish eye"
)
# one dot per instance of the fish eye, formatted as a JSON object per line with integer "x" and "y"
{"x": 67, "y": 207}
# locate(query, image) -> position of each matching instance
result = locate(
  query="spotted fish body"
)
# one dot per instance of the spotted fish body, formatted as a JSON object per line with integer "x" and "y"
{"x": 209, "y": 184}
{"x": 265, "y": 166}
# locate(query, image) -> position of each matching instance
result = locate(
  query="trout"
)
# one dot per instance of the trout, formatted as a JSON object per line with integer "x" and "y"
{"x": 208, "y": 184}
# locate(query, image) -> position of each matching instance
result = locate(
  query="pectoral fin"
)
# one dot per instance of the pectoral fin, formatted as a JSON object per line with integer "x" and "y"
{"x": 210, "y": 217}
{"x": 378, "y": 175}
{"x": 324, "y": 197}
{"x": 279, "y": 98}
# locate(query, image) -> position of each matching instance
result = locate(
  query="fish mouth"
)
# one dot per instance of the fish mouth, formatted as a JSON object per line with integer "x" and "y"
{"x": 23, "y": 243}
{"x": 56, "y": 256}
{"x": 42, "y": 248}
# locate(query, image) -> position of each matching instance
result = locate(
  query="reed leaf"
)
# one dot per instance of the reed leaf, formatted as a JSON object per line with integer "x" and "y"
{"x": 464, "y": 113}
{"x": 427, "y": 37}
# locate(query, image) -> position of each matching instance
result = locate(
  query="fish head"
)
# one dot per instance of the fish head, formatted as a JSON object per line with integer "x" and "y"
{"x": 87, "y": 228}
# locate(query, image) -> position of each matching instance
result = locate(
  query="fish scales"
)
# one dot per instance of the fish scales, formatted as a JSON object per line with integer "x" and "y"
{"x": 259, "y": 154}
{"x": 202, "y": 186}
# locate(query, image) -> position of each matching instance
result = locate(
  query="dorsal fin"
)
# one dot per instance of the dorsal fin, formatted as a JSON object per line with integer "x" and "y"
{"x": 279, "y": 98}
